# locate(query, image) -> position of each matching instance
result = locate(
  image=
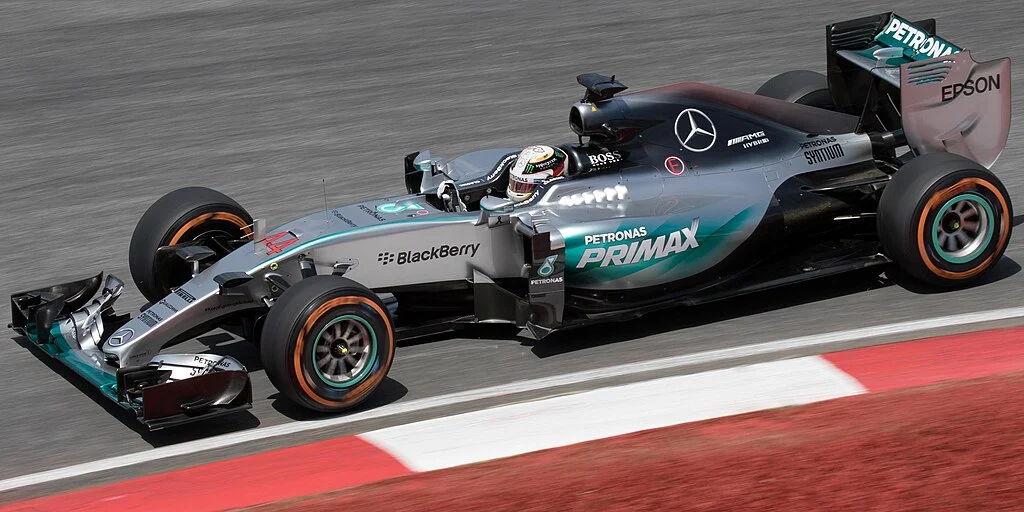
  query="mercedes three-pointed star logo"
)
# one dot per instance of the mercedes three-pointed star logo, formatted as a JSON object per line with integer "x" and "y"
{"x": 698, "y": 132}
{"x": 120, "y": 337}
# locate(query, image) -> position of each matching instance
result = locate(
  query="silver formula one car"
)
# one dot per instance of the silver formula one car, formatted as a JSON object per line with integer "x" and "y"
{"x": 677, "y": 195}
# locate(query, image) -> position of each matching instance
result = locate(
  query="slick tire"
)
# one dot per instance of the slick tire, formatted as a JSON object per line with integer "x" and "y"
{"x": 327, "y": 343}
{"x": 799, "y": 86}
{"x": 180, "y": 216}
{"x": 944, "y": 219}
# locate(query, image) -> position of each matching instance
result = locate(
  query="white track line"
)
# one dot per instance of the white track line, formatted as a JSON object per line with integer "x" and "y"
{"x": 711, "y": 356}
{"x": 524, "y": 427}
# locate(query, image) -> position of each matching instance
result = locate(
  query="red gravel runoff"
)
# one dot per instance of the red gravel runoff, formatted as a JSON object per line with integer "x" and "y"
{"x": 957, "y": 446}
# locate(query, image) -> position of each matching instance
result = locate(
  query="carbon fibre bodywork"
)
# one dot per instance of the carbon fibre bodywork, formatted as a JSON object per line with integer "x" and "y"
{"x": 679, "y": 195}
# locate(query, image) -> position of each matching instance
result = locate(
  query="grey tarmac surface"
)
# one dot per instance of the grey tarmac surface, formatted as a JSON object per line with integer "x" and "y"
{"x": 105, "y": 106}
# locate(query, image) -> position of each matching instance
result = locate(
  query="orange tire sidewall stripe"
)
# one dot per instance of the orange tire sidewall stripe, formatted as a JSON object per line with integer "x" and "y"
{"x": 366, "y": 386}
{"x": 223, "y": 216}
{"x": 945, "y": 195}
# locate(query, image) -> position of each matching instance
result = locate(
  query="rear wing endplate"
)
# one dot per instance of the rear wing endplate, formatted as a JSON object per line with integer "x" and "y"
{"x": 957, "y": 105}
{"x": 896, "y": 74}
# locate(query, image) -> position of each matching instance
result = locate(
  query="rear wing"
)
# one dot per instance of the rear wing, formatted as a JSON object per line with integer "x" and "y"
{"x": 898, "y": 75}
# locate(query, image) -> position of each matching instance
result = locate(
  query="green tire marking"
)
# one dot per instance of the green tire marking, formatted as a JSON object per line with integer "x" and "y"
{"x": 938, "y": 220}
{"x": 366, "y": 368}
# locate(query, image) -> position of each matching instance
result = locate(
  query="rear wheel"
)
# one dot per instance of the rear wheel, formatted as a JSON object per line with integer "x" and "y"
{"x": 192, "y": 215}
{"x": 944, "y": 219}
{"x": 799, "y": 86}
{"x": 327, "y": 343}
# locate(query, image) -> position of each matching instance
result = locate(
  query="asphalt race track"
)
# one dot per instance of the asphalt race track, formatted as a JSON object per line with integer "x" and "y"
{"x": 105, "y": 106}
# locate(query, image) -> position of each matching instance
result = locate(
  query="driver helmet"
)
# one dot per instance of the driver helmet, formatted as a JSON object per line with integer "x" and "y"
{"x": 534, "y": 166}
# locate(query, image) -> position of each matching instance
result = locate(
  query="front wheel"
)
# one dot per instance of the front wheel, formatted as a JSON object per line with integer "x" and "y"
{"x": 192, "y": 215}
{"x": 944, "y": 219}
{"x": 327, "y": 343}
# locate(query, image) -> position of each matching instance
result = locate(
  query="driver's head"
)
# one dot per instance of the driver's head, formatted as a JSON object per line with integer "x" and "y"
{"x": 535, "y": 165}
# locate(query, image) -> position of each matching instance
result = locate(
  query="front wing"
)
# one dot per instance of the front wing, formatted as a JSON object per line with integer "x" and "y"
{"x": 171, "y": 389}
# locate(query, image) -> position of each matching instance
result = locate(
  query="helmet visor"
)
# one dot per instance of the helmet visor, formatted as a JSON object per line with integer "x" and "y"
{"x": 520, "y": 187}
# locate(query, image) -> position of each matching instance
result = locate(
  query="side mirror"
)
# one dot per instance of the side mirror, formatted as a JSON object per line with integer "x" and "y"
{"x": 418, "y": 167}
{"x": 493, "y": 209}
{"x": 422, "y": 161}
{"x": 413, "y": 173}
{"x": 498, "y": 205}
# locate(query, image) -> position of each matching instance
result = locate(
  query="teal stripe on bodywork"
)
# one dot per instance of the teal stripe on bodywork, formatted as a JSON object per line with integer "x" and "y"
{"x": 716, "y": 239}
{"x": 351, "y": 232}
{"x": 716, "y": 243}
{"x": 61, "y": 350}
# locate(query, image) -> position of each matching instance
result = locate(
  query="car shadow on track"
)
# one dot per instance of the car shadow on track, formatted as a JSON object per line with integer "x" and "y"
{"x": 389, "y": 391}
{"x": 682, "y": 317}
{"x": 225, "y": 424}
{"x": 248, "y": 354}
{"x": 761, "y": 302}
{"x": 1003, "y": 269}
